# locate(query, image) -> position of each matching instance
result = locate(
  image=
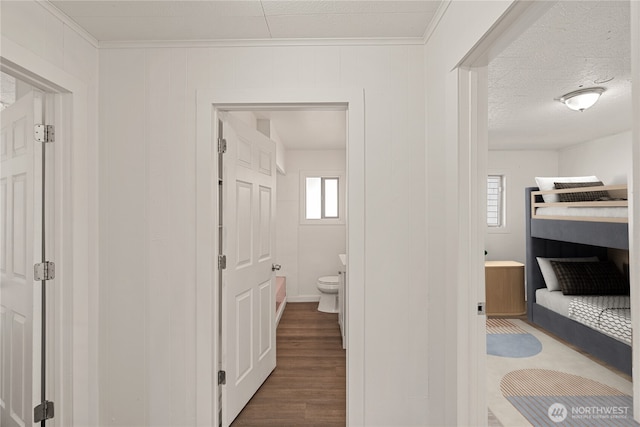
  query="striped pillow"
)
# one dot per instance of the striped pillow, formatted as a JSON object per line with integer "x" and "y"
{"x": 586, "y": 196}
{"x": 590, "y": 278}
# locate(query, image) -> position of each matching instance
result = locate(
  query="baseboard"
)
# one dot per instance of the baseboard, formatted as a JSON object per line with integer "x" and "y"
{"x": 304, "y": 298}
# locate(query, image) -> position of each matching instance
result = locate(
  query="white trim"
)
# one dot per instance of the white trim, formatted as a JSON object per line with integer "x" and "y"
{"x": 66, "y": 19}
{"x": 304, "y": 298}
{"x": 141, "y": 44}
{"x": 634, "y": 218}
{"x": 209, "y": 102}
{"x": 435, "y": 21}
{"x": 76, "y": 246}
{"x": 468, "y": 114}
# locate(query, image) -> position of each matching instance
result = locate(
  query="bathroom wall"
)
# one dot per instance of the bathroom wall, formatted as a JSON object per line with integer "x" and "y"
{"x": 306, "y": 252}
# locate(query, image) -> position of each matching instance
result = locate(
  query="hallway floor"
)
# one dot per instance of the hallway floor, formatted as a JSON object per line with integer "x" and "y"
{"x": 308, "y": 386}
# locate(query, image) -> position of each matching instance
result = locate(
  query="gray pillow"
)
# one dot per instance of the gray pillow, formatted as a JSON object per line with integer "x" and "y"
{"x": 590, "y": 278}
{"x": 586, "y": 196}
{"x": 549, "y": 275}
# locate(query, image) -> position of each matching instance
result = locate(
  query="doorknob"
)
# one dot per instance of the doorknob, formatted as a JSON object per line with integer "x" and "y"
{"x": 275, "y": 267}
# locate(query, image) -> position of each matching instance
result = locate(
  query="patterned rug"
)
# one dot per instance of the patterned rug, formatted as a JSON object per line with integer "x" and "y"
{"x": 506, "y": 339}
{"x": 552, "y": 398}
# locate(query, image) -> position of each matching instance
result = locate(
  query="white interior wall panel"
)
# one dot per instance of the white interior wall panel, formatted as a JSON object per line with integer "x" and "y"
{"x": 447, "y": 399}
{"x": 125, "y": 285}
{"x": 417, "y": 294}
{"x": 156, "y": 88}
{"x": 40, "y": 41}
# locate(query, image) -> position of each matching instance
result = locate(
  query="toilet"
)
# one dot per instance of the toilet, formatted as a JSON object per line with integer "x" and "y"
{"x": 328, "y": 287}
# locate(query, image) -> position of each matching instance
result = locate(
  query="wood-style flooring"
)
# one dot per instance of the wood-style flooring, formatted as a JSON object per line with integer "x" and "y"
{"x": 308, "y": 386}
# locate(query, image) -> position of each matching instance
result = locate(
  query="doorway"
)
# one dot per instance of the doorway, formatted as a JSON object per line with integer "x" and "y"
{"x": 27, "y": 228}
{"x": 309, "y": 236}
{"x": 472, "y": 79}
{"x": 210, "y": 103}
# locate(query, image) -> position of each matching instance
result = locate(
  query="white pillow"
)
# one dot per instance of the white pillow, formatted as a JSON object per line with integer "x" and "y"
{"x": 549, "y": 275}
{"x": 547, "y": 183}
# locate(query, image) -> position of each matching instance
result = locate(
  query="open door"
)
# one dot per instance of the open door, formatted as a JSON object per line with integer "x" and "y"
{"x": 18, "y": 250}
{"x": 248, "y": 283}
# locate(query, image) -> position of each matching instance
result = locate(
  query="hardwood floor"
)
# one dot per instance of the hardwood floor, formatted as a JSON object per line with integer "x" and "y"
{"x": 308, "y": 386}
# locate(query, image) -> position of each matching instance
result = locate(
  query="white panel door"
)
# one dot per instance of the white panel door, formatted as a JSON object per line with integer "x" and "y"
{"x": 248, "y": 301}
{"x": 16, "y": 263}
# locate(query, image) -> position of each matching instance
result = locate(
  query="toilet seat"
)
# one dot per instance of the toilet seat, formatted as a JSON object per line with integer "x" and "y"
{"x": 329, "y": 280}
{"x": 329, "y": 284}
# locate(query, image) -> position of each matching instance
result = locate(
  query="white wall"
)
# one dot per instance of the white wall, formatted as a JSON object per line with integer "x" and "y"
{"x": 608, "y": 158}
{"x": 147, "y": 174}
{"x": 520, "y": 168}
{"x": 451, "y": 400}
{"x": 306, "y": 251}
{"x": 47, "y": 46}
{"x": 281, "y": 150}
{"x": 266, "y": 127}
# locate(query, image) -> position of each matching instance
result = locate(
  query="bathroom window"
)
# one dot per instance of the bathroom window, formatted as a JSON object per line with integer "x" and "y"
{"x": 322, "y": 198}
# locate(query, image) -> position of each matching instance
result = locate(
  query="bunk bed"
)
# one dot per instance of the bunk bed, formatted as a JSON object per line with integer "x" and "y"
{"x": 575, "y": 235}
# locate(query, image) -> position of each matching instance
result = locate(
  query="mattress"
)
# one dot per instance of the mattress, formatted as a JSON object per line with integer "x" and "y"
{"x": 554, "y": 301}
{"x": 609, "y": 314}
{"x": 601, "y": 212}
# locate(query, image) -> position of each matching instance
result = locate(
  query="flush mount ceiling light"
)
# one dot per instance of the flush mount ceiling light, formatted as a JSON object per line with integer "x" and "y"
{"x": 582, "y": 99}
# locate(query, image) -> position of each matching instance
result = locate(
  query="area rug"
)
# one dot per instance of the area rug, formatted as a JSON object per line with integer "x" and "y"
{"x": 506, "y": 339}
{"x": 558, "y": 386}
{"x": 551, "y": 398}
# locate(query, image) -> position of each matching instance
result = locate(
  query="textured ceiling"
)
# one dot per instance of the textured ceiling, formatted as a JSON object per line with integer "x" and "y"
{"x": 249, "y": 19}
{"x": 575, "y": 44}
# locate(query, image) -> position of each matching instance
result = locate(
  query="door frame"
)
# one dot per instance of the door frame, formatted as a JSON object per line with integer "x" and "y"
{"x": 73, "y": 360}
{"x": 468, "y": 81}
{"x": 209, "y": 102}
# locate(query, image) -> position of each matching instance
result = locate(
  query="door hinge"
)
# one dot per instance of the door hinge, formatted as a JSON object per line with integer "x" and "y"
{"x": 222, "y": 262}
{"x": 222, "y": 377}
{"x": 43, "y": 411}
{"x": 44, "y": 133}
{"x": 222, "y": 146}
{"x": 44, "y": 271}
{"x": 481, "y": 309}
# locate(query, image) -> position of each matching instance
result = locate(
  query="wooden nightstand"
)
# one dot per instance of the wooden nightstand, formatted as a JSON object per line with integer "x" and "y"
{"x": 504, "y": 288}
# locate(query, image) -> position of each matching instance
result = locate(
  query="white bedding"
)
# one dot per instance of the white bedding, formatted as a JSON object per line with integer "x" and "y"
{"x": 601, "y": 212}
{"x": 609, "y": 314}
{"x": 554, "y": 301}
{"x": 602, "y": 313}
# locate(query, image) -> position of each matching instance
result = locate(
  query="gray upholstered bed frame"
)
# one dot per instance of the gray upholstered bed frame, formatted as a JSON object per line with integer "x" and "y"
{"x": 562, "y": 238}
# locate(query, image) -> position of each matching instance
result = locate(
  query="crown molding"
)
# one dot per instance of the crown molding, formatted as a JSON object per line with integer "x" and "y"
{"x": 69, "y": 22}
{"x": 435, "y": 21}
{"x": 407, "y": 41}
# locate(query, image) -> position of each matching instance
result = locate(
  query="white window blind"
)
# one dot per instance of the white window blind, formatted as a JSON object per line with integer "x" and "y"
{"x": 495, "y": 201}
